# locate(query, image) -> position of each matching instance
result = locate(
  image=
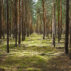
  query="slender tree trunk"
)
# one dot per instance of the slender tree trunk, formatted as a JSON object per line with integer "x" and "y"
{"x": 7, "y": 26}
{"x": 70, "y": 34}
{"x": 10, "y": 18}
{"x": 60, "y": 18}
{"x": 67, "y": 27}
{"x": 27, "y": 10}
{"x": 30, "y": 22}
{"x": 44, "y": 18}
{"x": 3, "y": 20}
{"x": 24, "y": 30}
{"x": 25, "y": 24}
{"x": 53, "y": 24}
{"x": 58, "y": 7}
{"x": 13, "y": 19}
{"x": 23, "y": 21}
{"x": 16, "y": 23}
{"x": 0, "y": 19}
{"x": 70, "y": 27}
{"x": 38, "y": 21}
{"x": 19, "y": 16}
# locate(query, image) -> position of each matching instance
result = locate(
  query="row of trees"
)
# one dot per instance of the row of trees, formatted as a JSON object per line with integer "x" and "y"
{"x": 56, "y": 20}
{"x": 15, "y": 20}
{"x": 20, "y": 18}
{"x": 52, "y": 18}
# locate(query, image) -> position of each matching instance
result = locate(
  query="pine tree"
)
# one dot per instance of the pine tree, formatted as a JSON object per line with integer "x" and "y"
{"x": 67, "y": 27}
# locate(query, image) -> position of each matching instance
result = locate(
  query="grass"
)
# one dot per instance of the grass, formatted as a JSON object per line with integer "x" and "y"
{"x": 34, "y": 54}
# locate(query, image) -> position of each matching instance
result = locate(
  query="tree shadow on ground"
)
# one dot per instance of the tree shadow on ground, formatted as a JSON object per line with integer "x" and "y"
{"x": 59, "y": 63}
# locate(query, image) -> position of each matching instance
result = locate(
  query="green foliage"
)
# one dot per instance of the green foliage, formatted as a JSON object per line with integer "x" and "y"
{"x": 32, "y": 55}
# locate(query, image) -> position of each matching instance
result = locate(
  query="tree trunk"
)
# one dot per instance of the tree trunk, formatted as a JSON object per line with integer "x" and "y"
{"x": 0, "y": 19}
{"x": 70, "y": 34}
{"x": 58, "y": 7}
{"x": 19, "y": 41}
{"x": 67, "y": 27}
{"x": 15, "y": 23}
{"x": 60, "y": 18}
{"x": 44, "y": 18}
{"x": 3, "y": 20}
{"x": 7, "y": 26}
{"x": 53, "y": 24}
{"x": 23, "y": 37}
{"x": 24, "y": 22}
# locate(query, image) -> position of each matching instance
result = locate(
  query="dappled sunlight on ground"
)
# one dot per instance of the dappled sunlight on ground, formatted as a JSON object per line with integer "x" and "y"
{"x": 34, "y": 54}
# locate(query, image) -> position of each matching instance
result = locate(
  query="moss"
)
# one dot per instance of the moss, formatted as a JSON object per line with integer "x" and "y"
{"x": 29, "y": 56}
{"x": 33, "y": 69}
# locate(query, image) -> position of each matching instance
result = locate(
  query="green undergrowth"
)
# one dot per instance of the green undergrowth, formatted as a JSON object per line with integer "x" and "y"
{"x": 32, "y": 55}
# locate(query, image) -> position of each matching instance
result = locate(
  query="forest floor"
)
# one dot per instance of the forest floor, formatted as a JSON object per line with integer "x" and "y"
{"x": 34, "y": 54}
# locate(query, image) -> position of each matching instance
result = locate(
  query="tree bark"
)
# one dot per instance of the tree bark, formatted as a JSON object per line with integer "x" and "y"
{"x": 0, "y": 19}
{"x": 16, "y": 23}
{"x": 7, "y": 26}
{"x": 19, "y": 18}
{"x": 44, "y": 18}
{"x": 53, "y": 24}
{"x": 67, "y": 27}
